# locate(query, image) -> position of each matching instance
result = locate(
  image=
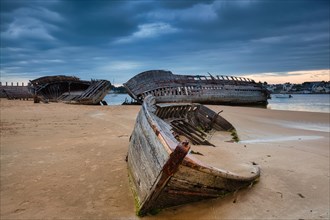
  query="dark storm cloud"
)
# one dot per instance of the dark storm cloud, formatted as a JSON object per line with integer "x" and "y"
{"x": 117, "y": 39}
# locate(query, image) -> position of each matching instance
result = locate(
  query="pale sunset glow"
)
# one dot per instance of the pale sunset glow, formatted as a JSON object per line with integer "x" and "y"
{"x": 296, "y": 77}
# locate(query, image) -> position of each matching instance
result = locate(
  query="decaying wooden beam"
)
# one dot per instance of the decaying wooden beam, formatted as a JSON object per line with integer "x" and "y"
{"x": 191, "y": 132}
{"x": 168, "y": 170}
{"x": 213, "y": 120}
{"x": 193, "y": 139}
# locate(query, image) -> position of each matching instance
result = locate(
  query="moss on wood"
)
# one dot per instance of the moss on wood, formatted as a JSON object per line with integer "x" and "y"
{"x": 234, "y": 135}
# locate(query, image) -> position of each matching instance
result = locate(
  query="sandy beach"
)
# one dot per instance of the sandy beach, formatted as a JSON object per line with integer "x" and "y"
{"x": 61, "y": 161}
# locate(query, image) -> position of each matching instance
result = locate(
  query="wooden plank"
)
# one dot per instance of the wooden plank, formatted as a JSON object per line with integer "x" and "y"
{"x": 168, "y": 170}
{"x": 185, "y": 133}
{"x": 146, "y": 156}
{"x": 184, "y": 186}
{"x": 138, "y": 167}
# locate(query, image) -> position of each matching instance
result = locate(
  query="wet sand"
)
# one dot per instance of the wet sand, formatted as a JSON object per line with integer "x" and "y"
{"x": 68, "y": 161}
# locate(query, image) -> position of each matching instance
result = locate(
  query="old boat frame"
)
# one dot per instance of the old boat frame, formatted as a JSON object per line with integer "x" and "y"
{"x": 162, "y": 171}
{"x": 69, "y": 89}
{"x": 169, "y": 87}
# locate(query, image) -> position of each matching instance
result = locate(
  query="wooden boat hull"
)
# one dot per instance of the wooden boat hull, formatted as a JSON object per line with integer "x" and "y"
{"x": 15, "y": 92}
{"x": 70, "y": 89}
{"x": 167, "y": 87}
{"x": 162, "y": 171}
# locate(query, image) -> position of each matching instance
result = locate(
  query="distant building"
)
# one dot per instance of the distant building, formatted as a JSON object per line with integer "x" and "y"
{"x": 318, "y": 87}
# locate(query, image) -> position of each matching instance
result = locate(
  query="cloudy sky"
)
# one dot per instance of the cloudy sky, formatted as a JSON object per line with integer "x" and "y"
{"x": 274, "y": 41}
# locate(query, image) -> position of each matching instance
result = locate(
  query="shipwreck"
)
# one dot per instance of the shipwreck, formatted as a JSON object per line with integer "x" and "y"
{"x": 69, "y": 89}
{"x": 164, "y": 157}
{"x": 169, "y": 87}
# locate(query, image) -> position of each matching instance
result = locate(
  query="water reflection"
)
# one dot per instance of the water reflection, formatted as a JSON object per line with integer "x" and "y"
{"x": 301, "y": 102}
{"x": 116, "y": 99}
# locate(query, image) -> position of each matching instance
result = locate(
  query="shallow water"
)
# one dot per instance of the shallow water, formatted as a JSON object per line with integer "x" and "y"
{"x": 322, "y": 127}
{"x": 282, "y": 139}
{"x": 116, "y": 99}
{"x": 301, "y": 102}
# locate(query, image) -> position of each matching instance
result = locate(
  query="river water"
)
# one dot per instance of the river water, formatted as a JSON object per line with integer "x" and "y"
{"x": 116, "y": 99}
{"x": 301, "y": 102}
{"x": 298, "y": 102}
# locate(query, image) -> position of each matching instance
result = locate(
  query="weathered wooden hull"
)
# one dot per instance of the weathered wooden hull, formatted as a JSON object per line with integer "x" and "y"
{"x": 163, "y": 172}
{"x": 70, "y": 89}
{"x": 168, "y": 87}
{"x": 15, "y": 92}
